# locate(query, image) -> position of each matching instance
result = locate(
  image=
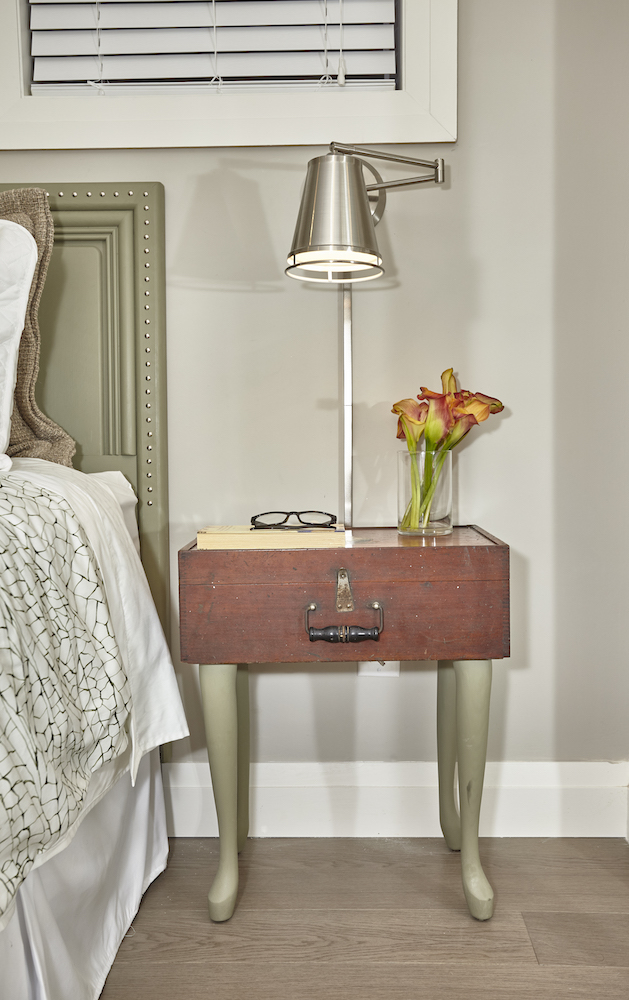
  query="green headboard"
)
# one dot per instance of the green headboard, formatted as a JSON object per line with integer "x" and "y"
{"x": 103, "y": 348}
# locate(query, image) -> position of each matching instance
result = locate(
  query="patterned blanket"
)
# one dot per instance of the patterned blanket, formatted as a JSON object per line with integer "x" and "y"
{"x": 64, "y": 696}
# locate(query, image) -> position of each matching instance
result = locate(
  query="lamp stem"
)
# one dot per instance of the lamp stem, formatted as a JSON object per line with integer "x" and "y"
{"x": 348, "y": 401}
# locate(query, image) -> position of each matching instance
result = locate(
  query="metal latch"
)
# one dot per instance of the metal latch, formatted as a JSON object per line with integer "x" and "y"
{"x": 344, "y": 599}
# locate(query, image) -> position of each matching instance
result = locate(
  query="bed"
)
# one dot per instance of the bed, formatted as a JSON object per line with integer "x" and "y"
{"x": 87, "y": 688}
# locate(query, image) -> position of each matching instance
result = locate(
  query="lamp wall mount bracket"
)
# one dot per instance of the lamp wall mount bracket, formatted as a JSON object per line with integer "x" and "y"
{"x": 436, "y": 176}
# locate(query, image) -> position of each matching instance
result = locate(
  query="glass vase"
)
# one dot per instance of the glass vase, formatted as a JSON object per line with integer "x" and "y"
{"x": 424, "y": 493}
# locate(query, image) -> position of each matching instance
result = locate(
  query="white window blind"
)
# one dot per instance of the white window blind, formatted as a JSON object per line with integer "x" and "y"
{"x": 231, "y": 43}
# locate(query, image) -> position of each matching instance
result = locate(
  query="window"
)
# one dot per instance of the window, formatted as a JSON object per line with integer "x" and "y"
{"x": 107, "y": 73}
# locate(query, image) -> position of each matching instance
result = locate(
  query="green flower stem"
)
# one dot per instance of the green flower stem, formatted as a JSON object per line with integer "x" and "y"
{"x": 413, "y": 511}
{"x": 428, "y": 470}
{"x": 428, "y": 497}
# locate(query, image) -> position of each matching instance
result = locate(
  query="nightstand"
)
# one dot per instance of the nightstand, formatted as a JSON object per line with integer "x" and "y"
{"x": 444, "y": 599}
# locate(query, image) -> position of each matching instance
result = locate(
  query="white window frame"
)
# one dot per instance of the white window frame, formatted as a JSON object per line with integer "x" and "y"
{"x": 423, "y": 110}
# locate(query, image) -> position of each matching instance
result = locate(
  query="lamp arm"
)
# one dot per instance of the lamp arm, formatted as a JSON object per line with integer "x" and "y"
{"x": 404, "y": 182}
{"x": 437, "y": 166}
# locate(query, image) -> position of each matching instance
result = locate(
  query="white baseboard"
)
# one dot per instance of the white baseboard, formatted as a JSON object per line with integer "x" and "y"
{"x": 379, "y": 799}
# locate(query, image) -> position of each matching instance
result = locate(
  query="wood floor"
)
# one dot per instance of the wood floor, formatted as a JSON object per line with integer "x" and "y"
{"x": 384, "y": 920}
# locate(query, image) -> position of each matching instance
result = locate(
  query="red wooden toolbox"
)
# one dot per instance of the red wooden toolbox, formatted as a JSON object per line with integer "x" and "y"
{"x": 442, "y": 598}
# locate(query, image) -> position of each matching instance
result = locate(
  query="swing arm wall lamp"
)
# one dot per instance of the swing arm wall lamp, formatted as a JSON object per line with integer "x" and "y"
{"x": 334, "y": 238}
{"x": 335, "y": 242}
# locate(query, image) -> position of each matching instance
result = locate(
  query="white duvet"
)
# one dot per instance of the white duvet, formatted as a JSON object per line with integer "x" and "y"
{"x": 87, "y": 685}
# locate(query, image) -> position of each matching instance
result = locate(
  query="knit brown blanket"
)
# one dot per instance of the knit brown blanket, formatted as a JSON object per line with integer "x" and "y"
{"x": 33, "y": 434}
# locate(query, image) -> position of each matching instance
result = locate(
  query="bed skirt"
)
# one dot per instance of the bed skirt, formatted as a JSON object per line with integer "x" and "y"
{"x": 73, "y": 912}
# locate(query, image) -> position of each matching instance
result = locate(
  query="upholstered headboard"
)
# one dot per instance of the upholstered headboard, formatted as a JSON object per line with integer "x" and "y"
{"x": 102, "y": 364}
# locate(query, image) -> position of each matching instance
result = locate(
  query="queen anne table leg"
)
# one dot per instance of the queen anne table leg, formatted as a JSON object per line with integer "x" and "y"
{"x": 224, "y": 697}
{"x": 446, "y": 753}
{"x": 242, "y": 707}
{"x": 473, "y": 686}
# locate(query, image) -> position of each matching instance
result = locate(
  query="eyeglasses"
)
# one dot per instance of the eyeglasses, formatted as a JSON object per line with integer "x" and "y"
{"x": 305, "y": 519}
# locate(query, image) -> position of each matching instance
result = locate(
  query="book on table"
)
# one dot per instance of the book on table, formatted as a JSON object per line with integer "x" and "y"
{"x": 243, "y": 536}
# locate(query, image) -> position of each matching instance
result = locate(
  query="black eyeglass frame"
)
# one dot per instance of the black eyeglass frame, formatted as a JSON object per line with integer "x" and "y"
{"x": 330, "y": 523}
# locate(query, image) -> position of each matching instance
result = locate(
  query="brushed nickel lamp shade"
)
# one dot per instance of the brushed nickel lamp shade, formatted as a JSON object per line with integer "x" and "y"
{"x": 335, "y": 241}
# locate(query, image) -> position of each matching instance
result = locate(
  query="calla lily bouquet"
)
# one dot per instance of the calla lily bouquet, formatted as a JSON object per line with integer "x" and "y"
{"x": 439, "y": 421}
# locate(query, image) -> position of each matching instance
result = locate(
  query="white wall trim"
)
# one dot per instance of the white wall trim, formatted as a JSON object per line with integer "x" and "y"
{"x": 380, "y": 799}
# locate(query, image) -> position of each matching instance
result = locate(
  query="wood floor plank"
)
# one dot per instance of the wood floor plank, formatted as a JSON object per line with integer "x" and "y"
{"x": 562, "y": 874}
{"x": 580, "y": 938}
{"x": 266, "y": 981}
{"x": 328, "y": 936}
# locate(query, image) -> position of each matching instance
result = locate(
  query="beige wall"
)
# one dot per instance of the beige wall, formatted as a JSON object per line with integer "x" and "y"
{"x": 516, "y": 274}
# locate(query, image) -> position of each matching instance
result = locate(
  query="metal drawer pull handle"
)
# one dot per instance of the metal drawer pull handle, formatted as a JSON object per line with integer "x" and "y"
{"x": 344, "y": 633}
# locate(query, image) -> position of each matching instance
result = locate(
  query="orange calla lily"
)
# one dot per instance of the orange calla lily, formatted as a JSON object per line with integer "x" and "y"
{"x": 439, "y": 420}
{"x": 462, "y": 426}
{"x": 473, "y": 406}
{"x": 412, "y": 419}
{"x": 495, "y": 406}
{"x": 448, "y": 381}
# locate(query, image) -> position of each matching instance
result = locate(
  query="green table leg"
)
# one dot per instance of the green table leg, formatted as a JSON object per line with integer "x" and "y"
{"x": 224, "y": 697}
{"x": 473, "y": 687}
{"x": 242, "y": 700}
{"x": 446, "y": 753}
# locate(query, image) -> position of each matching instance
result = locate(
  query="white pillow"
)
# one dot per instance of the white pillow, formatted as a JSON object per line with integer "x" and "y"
{"x": 18, "y": 259}
{"x": 123, "y": 492}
